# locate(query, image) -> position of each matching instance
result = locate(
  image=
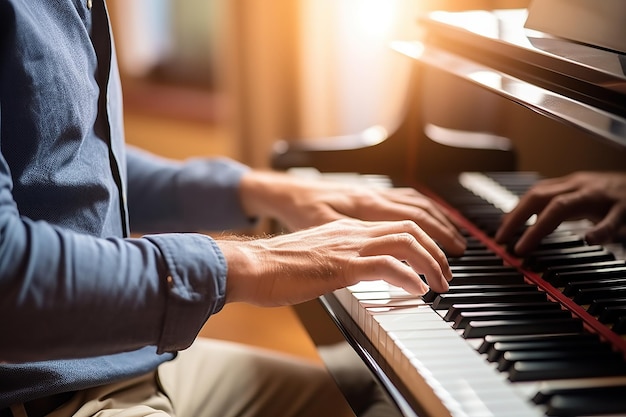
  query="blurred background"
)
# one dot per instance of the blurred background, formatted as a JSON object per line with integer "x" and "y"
{"x": 231, "y": 77}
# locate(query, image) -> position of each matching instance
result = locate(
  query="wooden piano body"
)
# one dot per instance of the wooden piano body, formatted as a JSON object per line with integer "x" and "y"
{"x": 486, "y": 95}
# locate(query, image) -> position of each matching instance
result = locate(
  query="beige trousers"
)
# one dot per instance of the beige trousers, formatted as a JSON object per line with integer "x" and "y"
{"x": 217, "y": 379}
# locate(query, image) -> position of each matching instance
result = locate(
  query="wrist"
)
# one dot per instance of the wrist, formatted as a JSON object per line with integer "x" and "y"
{"x": 261, "y": 193}
{"x": 243, "y": 262}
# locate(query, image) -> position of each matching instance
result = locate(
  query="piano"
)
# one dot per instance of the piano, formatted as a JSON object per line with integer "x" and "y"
{"x": 497, "y": 100}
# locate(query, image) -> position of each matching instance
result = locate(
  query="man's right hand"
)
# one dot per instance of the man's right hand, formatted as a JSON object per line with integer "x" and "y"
{"x": 299, "y": 266}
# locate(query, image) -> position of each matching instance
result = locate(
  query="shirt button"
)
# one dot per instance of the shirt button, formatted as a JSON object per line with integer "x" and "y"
{"x": 89, "y": 4}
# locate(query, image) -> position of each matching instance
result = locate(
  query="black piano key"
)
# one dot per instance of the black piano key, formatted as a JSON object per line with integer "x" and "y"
{"x": 559, "y": 232}
{"x": 456, "y": 309}
{"x": 532, "y": 256}
{"x": 473, "y": 243}
{"x": 479, "y": 252}
{"x": 506, "y": 178}
{"x": 573, "y": 288}
{"x": 488, "y": 222}
{"x": 581, "y": 404}
{"x": 444, "y": 301}
{"x": 476, "y": 260}
{"x": 549, "y": 273}
{"x": 477, "y": 269}
{"x": 597, "y": 306}
{"x": 555, "y": 240}
{"x": 499, "y": 348}
{"x": 476, "y": 329}
{"x": 480, "y": 209}
{"x": 572, "y": 337}
{"x": 430, "y": 296}
{"x": 463, "y": 319}
{"x": 561, "y": 279}
{"x": 612, "y": 314}
{"x": 487, "y": 278}
{"x": 544, "y": 262}
{"x": 544, "y": 395}
{"x": 620, "y": 326}
{"x": 508, "y": 359}
{"x": 489, "y": 227}
{"x": 560, "y": 242}
{"x": 563, "y": 369}
{"x": 587, "y": 295}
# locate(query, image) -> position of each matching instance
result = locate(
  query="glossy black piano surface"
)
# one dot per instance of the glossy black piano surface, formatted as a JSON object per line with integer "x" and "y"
{"x": 493, "y": 103}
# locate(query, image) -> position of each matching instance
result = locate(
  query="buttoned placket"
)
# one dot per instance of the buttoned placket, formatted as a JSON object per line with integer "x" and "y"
{"x": 116, "y": 168}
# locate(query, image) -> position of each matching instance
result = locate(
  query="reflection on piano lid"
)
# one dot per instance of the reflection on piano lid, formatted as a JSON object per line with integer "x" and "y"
{"x": 593, "y": 75}
{"x": 599, "y": 23}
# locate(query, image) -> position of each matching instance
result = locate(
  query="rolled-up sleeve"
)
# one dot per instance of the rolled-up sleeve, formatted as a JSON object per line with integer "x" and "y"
{"x": 195, "y": 286}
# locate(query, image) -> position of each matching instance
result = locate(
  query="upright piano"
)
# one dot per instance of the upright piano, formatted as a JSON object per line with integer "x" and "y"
{"x": 497, "y": 100}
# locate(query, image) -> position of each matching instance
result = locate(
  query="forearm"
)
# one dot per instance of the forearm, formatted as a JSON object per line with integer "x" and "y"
{"x": 199, "y": 194}
{"x": 78, "y": 296}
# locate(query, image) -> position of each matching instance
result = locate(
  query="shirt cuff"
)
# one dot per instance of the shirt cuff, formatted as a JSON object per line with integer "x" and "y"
{"x": 195, "y": 286}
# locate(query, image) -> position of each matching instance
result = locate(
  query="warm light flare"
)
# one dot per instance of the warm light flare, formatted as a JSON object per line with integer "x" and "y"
{"x": 411, "y": 49}
{"x": 374, "y": 17}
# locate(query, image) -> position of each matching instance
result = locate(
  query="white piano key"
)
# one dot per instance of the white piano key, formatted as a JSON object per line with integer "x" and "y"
{"x": 368, "y": 308}
{"x": 369, "y": 290}
{"x": 382, "y": 324}
{"x": 344, "y": 296}
{"x": 467, "y": 393}
{"x": 375, "y": 286}
{"x": 474, "y": 391}
{"x": 377, "y": 296}
{"x": 419, "y": 344}
{"x": 485, "y": 187}
{"x": 416, "y": 318}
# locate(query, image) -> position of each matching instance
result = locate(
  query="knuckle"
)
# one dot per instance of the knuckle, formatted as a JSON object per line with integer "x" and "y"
{"x": 406, "y": 239}
{"x": 535, "y": 193}
{"x": 387, "y": 262}
{"x": 561, "y": 203}
{"x": 411, "y": 227}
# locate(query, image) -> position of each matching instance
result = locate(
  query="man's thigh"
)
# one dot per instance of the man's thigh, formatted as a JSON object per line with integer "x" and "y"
{"x": 223, "y": 379}
{"x": 217, "y": 379}
{"x": 137, "y": 397}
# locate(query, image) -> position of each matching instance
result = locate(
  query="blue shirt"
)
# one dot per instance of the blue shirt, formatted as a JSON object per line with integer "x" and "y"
{"x": 81, "y": 303}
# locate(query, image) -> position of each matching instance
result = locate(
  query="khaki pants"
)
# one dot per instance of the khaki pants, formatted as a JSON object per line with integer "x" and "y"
{"x": 217, "y": 379}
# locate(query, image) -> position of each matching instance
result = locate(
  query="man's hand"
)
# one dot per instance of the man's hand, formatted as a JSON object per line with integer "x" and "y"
{"x": 599, "y": 197}
{"x": 300, "y": 203}
{"x": 299, "y": 266}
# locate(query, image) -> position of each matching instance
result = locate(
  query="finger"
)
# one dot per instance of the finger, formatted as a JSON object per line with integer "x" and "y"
{"x": 405, "y": 247}
{"x": 423, "y": 239}
{"x": 443, "y": 232}
{"x": 448, "y": 237}
{"x": 413, "y": 198}
{"x": 415, "y": 201}
{"x": 323, "y": 214}
{"x": 391, "y": 270}
{"x": 556, "y": 211}
{"x": 531, "y": 203}
{"x": 608, "y": 228}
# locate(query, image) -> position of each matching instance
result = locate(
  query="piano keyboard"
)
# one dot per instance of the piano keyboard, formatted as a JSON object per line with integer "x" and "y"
{"x": 539, "y": 336}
